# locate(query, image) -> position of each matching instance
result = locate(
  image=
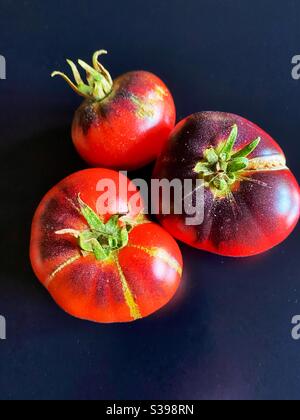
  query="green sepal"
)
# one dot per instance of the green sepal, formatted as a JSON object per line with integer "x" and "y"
{"x": 221, "y": 184}
{"x": 82, "y": 87}
{"x": 203, "y": 168}
{"x": 85, "y": 240}
{"x": 100, "y": 253}
{"x": 100, "y": 83}
{"x": 224, "y": 166}
{"x": 124, "y": 236}
{"x": 237, "y": 164}
{"x": 231, "y": 179}
{"x": 211, "y": 156}
{"x": 112, "y": 242}
{"x": 112, "y": 226}
{"x": 103, "y": 238}
{"x": 227, "y": 149}
{"x": 88, "y": 243}
{"x": 90, "y": 216}
{"x": 246, "y": 151}
{"x": 220, "y": 166}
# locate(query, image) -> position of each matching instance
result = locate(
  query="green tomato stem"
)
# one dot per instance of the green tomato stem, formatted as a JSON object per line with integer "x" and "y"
{"x": 221, "y": 166}
{"x": 99, "y": 82}
{"x": 100, "y": 239}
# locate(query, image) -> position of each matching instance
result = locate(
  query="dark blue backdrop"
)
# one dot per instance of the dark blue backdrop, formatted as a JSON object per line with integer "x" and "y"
{"x": 227, "y": 334}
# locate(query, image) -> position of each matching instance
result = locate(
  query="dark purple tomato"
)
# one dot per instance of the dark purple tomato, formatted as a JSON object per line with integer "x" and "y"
{"x": 251, "y": 198}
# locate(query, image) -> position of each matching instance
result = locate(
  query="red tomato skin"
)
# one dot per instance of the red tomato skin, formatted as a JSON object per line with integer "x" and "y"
{"x": 154, "y": 256}
{"x": 129, "y": 128}
{"x": 265, "y": 207}
{"x": 116, "y": 290}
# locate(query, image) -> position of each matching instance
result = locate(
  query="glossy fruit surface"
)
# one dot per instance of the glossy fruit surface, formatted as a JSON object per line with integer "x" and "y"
{"x": 251, "y": 198}
{"x": 122, "y": 124}
{"x": 99, "y": 265}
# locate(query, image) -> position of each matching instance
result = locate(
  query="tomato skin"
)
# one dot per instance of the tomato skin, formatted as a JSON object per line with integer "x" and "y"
{"x": 264, "y": 207}
{"x": 135, "y": 282}
{"x": 129, "y": 128}
{"x": 160, "y": 266}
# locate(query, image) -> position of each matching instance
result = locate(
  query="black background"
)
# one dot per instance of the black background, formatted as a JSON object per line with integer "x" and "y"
{"x": 227, "y": 335}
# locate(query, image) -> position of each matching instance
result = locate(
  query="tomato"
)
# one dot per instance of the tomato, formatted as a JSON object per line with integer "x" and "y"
{"x": 99, "y": 265}
{"x": 122, "y": 124}
{"x": 251, "y": 198}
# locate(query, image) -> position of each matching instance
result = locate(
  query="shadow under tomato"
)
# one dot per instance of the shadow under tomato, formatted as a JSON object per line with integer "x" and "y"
{"x": 28, "y": 171}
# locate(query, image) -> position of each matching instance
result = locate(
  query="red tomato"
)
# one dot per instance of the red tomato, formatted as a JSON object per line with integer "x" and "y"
{"x": 97, "y": 265}
{"x": 251, "y": 198}
{"x": 122, "y": 124}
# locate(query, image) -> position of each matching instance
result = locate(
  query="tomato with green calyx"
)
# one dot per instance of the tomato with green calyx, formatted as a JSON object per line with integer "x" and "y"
{"x": 251, "y": 198}
{"x": 122, "y": 124}
{"x": 97, "y": 264}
